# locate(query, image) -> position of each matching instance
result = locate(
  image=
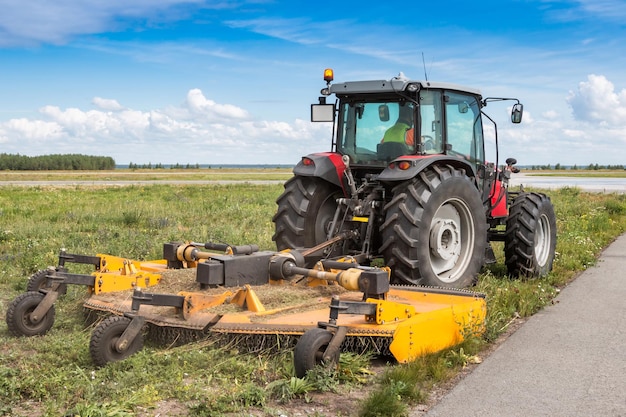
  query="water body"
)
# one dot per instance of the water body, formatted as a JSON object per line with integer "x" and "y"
{"x": 591, "y": 184}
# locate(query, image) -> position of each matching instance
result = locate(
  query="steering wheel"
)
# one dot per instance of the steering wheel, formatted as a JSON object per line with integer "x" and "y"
{"x": 429, "y": 143}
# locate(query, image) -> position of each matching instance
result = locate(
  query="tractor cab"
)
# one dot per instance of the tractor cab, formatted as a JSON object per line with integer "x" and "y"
{"x": 379, "y": 121}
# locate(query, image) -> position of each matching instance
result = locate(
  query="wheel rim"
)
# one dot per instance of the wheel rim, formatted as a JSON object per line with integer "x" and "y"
{"x": 451, "y": 240}
{"x": 31, "y": 325}
{"x": 39, "y": 327}
{"x": 542, "y": 240}
{"x": 324, "y": 219}
{"x": 113, "y": 350}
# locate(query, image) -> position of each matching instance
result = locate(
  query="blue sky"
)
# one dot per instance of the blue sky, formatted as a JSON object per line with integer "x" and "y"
{"x": 217, "y": 82}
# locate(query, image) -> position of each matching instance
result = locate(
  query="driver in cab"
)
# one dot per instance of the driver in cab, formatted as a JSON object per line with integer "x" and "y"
{"x": 402, "y": 131}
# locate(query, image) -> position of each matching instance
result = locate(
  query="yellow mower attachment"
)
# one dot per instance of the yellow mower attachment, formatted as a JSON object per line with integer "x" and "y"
{"x": 349, "y": 309}
{"x": 119, "y": 274}
{"x": 32, "y": 313}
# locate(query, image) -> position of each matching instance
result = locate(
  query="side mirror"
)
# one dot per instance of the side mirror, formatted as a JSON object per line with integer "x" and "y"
{"x": 383, "y": 113}
{"x": 516, "y": 113}
{"x": 359, "y": 109}
{"x": 322, "y": 112}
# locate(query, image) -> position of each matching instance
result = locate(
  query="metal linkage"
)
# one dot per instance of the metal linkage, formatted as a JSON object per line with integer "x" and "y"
{"x": 372, "y": 282}
{"x": 78, "y": 259}
{"x": 53, "y": 281}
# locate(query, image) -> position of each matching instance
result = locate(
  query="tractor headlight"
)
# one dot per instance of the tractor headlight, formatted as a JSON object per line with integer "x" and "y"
{"x": 413, "y": 87}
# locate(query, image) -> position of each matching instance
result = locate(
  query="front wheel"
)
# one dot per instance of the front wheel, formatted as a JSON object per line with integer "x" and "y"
{"x": 102, "y": 346}
{"x": 309, "y": 351}
{"x": 530, "y": 240}
{"x": 18, "y": 315}
{"x": 435, "y": 230}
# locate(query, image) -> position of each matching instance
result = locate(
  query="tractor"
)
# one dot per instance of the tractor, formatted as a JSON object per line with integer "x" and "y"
{"x": 406, "y": 181}
{"x": 377, "y": 240}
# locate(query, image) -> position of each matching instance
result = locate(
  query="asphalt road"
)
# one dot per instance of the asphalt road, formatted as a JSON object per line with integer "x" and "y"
{"x": 567, "y": 360}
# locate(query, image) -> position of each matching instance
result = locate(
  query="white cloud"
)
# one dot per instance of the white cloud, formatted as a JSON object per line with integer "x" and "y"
{"x": 29, "y": 130}
{"x": 106, "y": 104}
{"x": 596, "y": 101}
{"x": 589, "y": 138}
{"x": 200, "y": 130}
{"x": 199, "y": 106}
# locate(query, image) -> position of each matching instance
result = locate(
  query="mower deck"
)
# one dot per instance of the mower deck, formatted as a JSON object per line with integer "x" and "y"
{"x": 415, "y": 320}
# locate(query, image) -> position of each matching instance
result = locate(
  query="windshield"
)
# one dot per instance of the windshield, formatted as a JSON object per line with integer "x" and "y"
{"x": 367, "y": 130}
{"x": 375, "y": 132}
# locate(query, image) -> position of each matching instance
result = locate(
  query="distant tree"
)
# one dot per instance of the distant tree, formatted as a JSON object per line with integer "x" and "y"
{"x": 56, "y": 162}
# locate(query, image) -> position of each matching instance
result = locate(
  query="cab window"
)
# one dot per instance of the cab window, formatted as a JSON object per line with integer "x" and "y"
{"x": 464, "y": 127}
{"x": 364, "y": 125}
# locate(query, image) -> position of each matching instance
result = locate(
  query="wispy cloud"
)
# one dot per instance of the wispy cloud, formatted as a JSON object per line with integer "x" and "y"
{"x": 298, "y": 30}
{"x": 160, "y": 51}
{"x": 585, "y": 10}
{"x": 612, "y": 10}
{"x": 37, "y": 22}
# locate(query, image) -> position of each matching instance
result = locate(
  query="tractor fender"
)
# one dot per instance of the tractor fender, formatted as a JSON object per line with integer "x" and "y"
{"x": 328, "y": 166}
{"x": 419, "y": 163}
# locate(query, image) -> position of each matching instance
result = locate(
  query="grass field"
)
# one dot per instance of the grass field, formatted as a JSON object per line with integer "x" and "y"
{"x": 53, "y": 375}
{"x": 215, "y": 174}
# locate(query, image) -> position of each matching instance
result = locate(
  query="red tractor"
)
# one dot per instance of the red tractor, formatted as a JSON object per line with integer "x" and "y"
{"x": 406, "y": 184}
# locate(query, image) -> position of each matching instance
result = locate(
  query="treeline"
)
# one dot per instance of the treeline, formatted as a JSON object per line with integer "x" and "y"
{"x": 71, "y": 162}
{"x": 590, "y": 167}
{"x": 161, "y": 166}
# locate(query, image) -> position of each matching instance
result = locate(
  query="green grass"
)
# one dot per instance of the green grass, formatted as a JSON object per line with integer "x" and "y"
{"x": 53, "y": 375}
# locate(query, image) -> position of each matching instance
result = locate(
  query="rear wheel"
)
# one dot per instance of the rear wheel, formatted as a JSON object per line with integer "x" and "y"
{"x": 305, "y": 212}
{"x": 19, "y": 315}
{"x": 435, "y": 230}
{"x": 530, "y": 240}
{"x": 104, "y": 338}
{"x": 309, "y": 351}
{"x": 38, "y": 281}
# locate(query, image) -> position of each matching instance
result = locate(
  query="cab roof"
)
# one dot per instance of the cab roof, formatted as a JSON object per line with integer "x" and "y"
{"x": 396, "y": 84}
